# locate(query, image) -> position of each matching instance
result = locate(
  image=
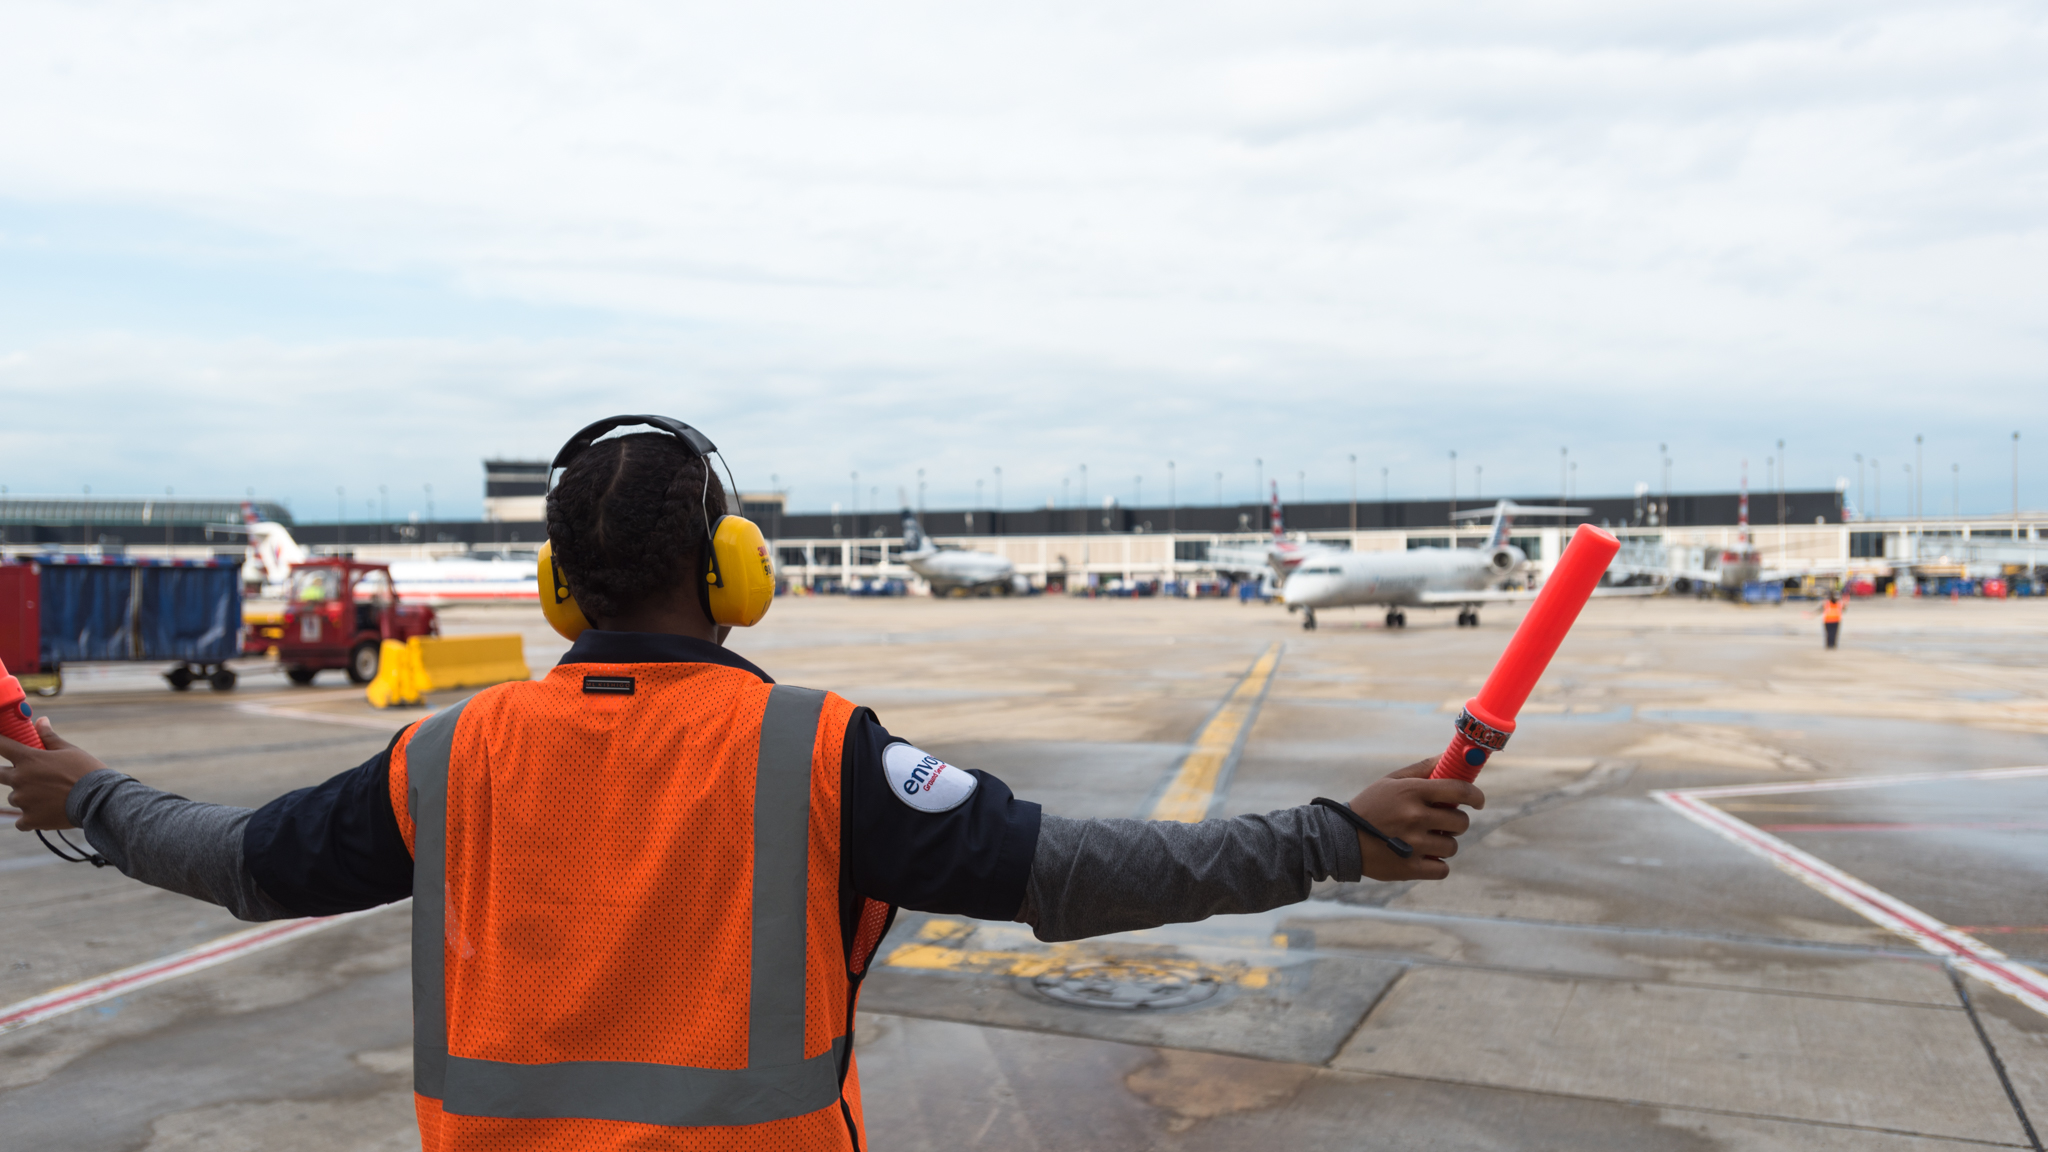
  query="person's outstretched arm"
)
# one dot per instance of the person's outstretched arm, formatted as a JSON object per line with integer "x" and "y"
{"x": 931, "y": 837}
{"x": 330, "y": 848}
{"x": 1091, "y": 877}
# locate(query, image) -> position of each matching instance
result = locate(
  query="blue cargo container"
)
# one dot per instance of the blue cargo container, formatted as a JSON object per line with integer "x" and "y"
{"x": 1763, "y": 592}
{"x": 121, "y": 609}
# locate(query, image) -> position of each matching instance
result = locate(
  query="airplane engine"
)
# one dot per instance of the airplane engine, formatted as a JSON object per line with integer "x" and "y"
{"x": 1506, "y": 558}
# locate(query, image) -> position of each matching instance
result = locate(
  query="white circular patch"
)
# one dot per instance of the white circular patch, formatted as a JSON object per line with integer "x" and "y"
{"x": 925, "y": 782}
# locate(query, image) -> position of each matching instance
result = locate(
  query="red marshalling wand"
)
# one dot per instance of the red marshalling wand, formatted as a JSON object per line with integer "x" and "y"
{"x": 15, "y": 719}
{"x": 1489, "y": 718}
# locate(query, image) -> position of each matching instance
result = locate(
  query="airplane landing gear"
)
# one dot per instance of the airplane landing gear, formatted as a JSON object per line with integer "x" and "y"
{"x": 1468, "y": 618}
{"x": 1396, "y": 618}
{"x": 1308, "y": 620}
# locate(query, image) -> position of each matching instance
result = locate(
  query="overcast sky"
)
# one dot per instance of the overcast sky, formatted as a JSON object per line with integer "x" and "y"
{"x": 316, "y": 245}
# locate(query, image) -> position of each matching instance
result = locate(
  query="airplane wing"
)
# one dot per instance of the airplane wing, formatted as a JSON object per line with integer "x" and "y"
{"x": 1659, "y": 571}
{"x": 1506, "y": 596}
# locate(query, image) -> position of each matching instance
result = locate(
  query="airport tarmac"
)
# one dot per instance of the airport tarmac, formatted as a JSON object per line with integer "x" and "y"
{"x": 1624, "y": 957}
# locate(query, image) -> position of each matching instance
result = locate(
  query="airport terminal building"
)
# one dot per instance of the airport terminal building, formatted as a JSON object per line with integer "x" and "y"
{"x": 1102, "y": 546}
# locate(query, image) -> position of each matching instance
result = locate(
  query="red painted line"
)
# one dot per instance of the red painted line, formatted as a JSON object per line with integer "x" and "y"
{"x": 1994, "y": 826}
{"x": 58, "y": 1001}
{"x": 1980, "y": 929}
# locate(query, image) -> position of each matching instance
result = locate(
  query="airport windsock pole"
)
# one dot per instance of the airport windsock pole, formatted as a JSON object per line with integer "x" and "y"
{"x": 15, "y": 719}
{"x": 1489, "y": 718}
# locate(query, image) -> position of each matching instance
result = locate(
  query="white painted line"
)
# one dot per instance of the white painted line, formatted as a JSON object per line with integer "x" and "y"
{"x": 1843, "y": 782}
{"x": 71, "y": 997}
{"x": 399, "y": 718}
{"x": 1970, "y": 955}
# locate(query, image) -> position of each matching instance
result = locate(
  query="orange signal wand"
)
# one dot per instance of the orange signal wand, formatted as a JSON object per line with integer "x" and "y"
{"x": 16, "y": 722}
{"x": 1489, "y": 718}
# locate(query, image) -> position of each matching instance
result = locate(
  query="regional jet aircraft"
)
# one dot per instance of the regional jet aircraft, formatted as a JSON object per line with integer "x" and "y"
{"x": 1461, "y": 578}
{"x": 954, "y": 571}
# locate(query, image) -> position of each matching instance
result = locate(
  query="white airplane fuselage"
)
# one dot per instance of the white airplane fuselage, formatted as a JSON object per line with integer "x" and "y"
{"x": 947, "y": 569}
{"x": 1423, "y": 578}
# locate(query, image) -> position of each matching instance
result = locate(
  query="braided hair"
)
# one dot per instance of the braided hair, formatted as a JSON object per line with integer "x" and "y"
{"x": 628, "y": 520}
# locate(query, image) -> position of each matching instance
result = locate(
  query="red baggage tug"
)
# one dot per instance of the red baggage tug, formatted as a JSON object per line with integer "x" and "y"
{"x": 337, "y": 614}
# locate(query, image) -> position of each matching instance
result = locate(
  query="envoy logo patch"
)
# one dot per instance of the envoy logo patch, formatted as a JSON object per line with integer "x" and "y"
{"x": 925, "y": 782}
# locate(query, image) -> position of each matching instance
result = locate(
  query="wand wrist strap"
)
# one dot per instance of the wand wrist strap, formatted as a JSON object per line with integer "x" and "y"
{"x": 1397, "y": 845}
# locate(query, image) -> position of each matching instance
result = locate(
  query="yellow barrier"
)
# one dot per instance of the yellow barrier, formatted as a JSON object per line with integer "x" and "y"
{"x": 406, "y": 672}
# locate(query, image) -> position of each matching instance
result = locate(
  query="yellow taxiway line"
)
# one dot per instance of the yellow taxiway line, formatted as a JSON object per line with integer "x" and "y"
{"x": 1192, "y": 791}
{"x": 944, "y": 945}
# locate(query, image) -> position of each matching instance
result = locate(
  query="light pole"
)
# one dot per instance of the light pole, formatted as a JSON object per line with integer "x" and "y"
{"x": 1781, "y": 498}
{"x": 430, "y": 503}
{"x": 999, "y": 488}
{"x": 1219, "y": 489}
{"x": 2015, "y": 486}
{"x": 920, "y": 494}
{"x": 1664, "y": 513}
{"x": 1137, "y": 491}
{"x": 1914, "y": 552}
{"x": 1301, "y": 487}
{"x": 977, "y": 493}
{"x": 1454, "y": 493}
{"x": 1383, "y": 497}
{"x": 1354, "y": 490}
{"x": 1170, "y": 497}
{"x": 1479, "y": 483}
{"x": 1919, "y": 491}
{"x": 856, "y": 503}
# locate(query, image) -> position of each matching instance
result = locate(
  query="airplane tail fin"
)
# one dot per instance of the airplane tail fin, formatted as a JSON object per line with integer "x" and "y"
{"x": 1502, "y": 521}
{"x": 1279, "y": 533}
{"x": 275, "y": 550}
{"x": 1742, "y": 507}
{"x": 913, "y": 534}
{"x": 249, "y": 515}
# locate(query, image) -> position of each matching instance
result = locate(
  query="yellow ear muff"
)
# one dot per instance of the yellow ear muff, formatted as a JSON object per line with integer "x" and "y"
{"x": 741, "y": 575}
{"x": 561, "y": 609}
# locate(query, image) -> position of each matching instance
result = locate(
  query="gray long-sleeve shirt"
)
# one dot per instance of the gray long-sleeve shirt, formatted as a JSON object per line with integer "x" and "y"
{"x": 1087, "y": 878}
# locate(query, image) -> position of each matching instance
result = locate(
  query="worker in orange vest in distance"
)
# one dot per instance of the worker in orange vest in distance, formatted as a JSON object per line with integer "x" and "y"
{"x": 1831, "y": 616}
{"x": 647, "y": 886}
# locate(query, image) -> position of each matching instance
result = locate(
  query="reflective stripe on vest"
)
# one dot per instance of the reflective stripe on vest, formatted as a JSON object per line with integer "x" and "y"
{"x": 777, "y": 1083}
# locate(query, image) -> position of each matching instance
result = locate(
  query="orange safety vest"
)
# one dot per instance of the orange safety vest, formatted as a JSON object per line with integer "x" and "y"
{"x": 626, "y": 915}
{"x": 1831, "y": 612}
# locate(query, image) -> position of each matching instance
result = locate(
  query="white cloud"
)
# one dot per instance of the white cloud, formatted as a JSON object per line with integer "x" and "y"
{"x": 919, "y": 235}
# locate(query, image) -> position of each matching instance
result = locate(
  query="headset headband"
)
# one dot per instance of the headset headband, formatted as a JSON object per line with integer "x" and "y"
{"x": 695, "y": 441}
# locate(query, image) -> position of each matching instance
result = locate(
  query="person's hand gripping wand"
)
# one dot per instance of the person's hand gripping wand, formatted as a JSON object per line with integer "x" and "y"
{"x": 41, "y": 768}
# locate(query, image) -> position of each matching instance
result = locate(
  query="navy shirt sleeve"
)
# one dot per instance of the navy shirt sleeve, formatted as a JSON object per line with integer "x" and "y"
{"x": 972, "y": 860}
{"x": 334, "y": 847}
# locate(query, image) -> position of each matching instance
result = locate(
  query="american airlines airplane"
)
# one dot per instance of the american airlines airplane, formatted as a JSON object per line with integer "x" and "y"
{"x": 273, "y": 551}
{"x": 1281, "y": 555}
{"x": 955, "y": 571}
{"x": 1461, "y": 578}
{"x": 1722, "y": 570}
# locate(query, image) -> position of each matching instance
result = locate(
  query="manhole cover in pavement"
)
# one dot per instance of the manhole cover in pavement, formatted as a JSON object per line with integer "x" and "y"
{"x": 1126, "y": 986}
